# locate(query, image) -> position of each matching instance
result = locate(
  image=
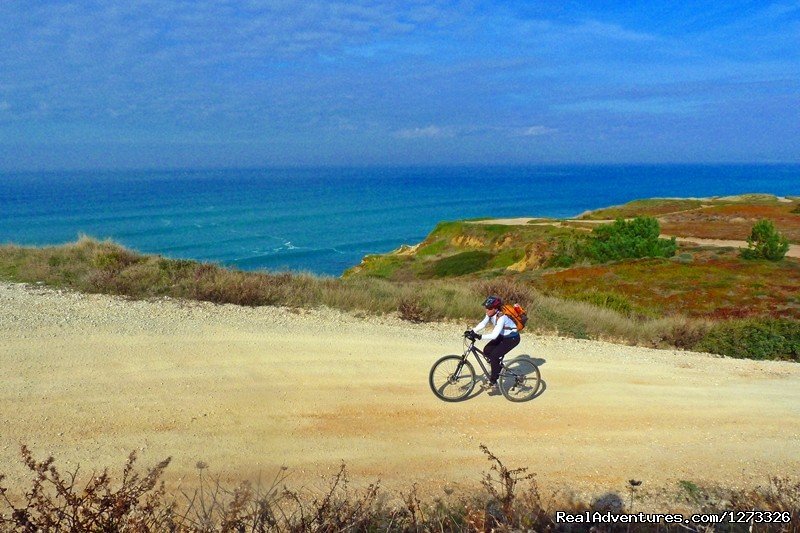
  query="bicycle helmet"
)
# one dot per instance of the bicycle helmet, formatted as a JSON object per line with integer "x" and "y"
{"x": 493, "y": 302}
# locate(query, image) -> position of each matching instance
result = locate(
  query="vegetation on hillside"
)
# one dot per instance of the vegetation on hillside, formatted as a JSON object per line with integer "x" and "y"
{"x": 701, "y": 283}
{"x": 638, "y": 208}
{"x": 105, "y": 267}
{"x": 728, "y": 218}
{"x": 466, "y": 248}
{"x": 626, "y": 267}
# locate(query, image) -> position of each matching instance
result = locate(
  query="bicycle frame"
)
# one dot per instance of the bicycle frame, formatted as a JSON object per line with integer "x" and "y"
{"x": 479, "y": 356}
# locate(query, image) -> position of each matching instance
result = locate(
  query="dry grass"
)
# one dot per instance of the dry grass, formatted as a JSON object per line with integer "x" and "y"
{"x": 511, "y": 501}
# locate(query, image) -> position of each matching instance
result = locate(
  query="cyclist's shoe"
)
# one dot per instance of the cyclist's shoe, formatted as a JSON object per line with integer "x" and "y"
{"x": 494, "y": 391}
{"x": 489, "y": 386}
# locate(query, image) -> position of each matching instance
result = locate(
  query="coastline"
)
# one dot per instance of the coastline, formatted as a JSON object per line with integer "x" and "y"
{"x": 241, "y": 218}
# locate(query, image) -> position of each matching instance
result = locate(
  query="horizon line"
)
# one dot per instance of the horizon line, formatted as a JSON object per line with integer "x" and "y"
{"x": 394, "y": 166}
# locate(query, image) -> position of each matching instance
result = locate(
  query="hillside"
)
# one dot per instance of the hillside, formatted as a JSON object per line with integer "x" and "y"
{"x": 706, "y": 277}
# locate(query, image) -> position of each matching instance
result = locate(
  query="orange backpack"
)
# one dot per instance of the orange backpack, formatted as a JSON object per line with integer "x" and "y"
{"x": 516, "y": 313}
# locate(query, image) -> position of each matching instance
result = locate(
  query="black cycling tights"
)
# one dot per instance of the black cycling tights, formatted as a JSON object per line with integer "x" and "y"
{"x": 495, "y": 350}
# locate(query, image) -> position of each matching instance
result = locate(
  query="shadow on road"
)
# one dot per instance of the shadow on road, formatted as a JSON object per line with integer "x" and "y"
{"x": 538, "y": 361}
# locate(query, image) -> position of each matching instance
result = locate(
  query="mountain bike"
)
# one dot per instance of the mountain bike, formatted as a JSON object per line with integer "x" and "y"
{"x": 452, "y": 377}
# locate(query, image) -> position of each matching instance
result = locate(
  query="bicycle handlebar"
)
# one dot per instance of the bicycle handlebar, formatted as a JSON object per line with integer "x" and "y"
{"x": 471, "y": 335}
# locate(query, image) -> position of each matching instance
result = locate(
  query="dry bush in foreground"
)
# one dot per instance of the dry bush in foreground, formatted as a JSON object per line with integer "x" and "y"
{"x": 511, "y": 502}
{"x": 57, "y": 502}
{"x": 413, "y": 310}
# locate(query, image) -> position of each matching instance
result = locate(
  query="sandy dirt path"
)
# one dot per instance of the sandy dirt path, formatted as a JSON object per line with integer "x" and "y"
{"x": 88, "y": 378}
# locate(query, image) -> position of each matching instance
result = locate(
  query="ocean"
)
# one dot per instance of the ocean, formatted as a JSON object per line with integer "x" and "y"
{"x": 324, "y": 220}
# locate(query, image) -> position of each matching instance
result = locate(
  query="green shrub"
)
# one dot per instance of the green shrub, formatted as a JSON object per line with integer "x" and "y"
{"x": 448, "y": 230}
{"x": 628, "y": 240}
{"x": 433, "y": 248}
{"x": 568, "y": 250}
{"x": 382, "y": 266}
{"x": 507, "y": 258}
{"x": 796, "y": 210}
{"x": 754, "y": 339}
{"x": 114, "y": 258}
{"x": 608, "y": 299}
{"x": 692, "y": 491}
{"x": 495, "y": 230}
{"x": 563, "y": 321}
{"x": 460, "y": 264}
{"x": 765, "y": 242}
{"x": 619, "y": 240}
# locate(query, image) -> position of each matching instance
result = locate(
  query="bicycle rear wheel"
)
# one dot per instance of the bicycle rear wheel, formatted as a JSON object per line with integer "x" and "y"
{"x": 519, "y": 380}
{"x": 452, "y": 378}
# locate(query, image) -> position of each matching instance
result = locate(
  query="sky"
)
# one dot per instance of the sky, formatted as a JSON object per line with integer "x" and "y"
{"x": 220, "y": 84}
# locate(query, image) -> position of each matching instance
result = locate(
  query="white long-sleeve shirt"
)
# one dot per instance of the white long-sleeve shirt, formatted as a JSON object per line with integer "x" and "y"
{"x": 503, "y": 325}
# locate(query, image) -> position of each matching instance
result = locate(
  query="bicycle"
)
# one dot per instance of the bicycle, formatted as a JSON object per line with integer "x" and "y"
{"x": 452, "y": 378}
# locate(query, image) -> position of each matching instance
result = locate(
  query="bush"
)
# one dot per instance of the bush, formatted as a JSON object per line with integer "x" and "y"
{"x": 111, "y": 257}
{"x": 510, "y": 291}
{"x": 413, "y": 310}
{"x": 434, "y": 248}
{"x": 765, "y": 242}
{"x": 57, "y": 502}
{"x": 628, "y": 240}
{"x": 511, "y": 501}
{"x": 566, "y": 254}
{"x": 382, "y": 266}
{"x": 619, "y": 240}
{"x": 506, "y": 258}
{"x": 754, "y": 339}
{"x": 608, "y": 299}
{"x": 460, "y": 264}
{"x": 686, "y": 334}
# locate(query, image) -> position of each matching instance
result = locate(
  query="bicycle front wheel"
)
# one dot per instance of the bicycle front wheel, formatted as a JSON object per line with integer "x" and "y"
{"x": 519, "y": 380}
{"x": 452, "y": 378}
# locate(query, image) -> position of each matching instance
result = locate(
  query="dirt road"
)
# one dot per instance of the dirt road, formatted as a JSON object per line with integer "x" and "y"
{"x": 89, "y": 378}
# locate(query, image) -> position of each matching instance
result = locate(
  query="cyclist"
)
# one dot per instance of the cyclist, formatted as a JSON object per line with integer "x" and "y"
{"x": 503, "y": 338}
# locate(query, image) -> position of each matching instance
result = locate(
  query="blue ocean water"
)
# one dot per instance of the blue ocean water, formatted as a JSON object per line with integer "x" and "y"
{"x": 324, "y": 220}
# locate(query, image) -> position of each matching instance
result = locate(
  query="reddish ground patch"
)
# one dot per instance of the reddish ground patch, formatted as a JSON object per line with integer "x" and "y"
{"x": 732, "y": 222}
{"x": 710, "y": 286}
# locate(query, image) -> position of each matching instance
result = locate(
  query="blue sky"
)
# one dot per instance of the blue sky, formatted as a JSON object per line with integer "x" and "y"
{"x": 164, "y": 84}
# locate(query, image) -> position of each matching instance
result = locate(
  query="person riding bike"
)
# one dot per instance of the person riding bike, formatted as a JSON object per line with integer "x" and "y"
{"x": 503, "y": 338}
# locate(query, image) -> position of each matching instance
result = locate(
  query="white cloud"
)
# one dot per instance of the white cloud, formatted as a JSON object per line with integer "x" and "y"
{"x": 426, "y": 132}
{"x": 611, "y": 31}
{"x": 537, "y": 131}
